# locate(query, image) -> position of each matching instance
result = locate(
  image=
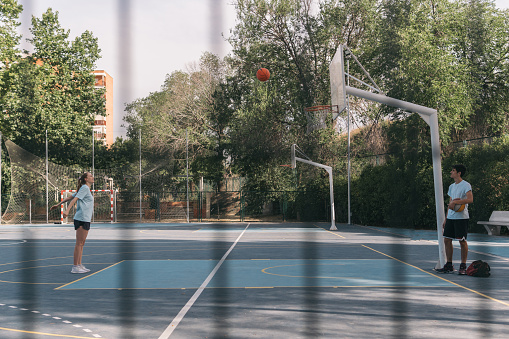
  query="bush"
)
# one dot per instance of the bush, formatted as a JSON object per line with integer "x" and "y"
{"x": 400, "y": 193}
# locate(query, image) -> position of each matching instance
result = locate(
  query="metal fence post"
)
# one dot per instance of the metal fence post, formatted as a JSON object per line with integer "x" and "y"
{"x": 241, "y": 206}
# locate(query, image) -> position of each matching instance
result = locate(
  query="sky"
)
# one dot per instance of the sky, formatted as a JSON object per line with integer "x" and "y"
{"x": 157, "y": 36}
{"x": 165, "y": 36}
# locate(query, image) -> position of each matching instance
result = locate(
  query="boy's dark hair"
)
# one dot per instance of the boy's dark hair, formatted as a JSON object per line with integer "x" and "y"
{"x": 460, "y": 169}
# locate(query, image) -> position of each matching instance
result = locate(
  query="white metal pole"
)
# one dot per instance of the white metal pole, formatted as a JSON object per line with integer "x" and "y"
{"x": 47, "y": 196}
{"x": 333, "y": 214}
{"x": 139, "y": 136}
{"x": 187, "y": 175}
{"x": 93, "y": 157}
{"x": 429, "y": 115}
{"x": 439, "y": 189}
{"x": 348, "y": 156}
{"x": 115, "y": 200}
{"x": 390, "y": 101}
{"x": 93, "y": 165}
{"x": 329, "y": 170}
{"x": 0, "y": 178}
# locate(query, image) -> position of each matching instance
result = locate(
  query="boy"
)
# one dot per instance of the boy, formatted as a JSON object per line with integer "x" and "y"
{"x": 456, "y": 223}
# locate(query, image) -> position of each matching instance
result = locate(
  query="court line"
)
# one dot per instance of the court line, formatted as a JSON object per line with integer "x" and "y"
{"x": 304, "y": 276}
{"x": 89, "y": 275}
{"x": 434, "y": 275}
{"x": 179, "y": 249}
{"x": 339, "y": 235}
{"x": 13, "y": 243}
{"x": 435, "y": 241}
{"x": 169, "y": 330}
{"x": 259, "y": 287}
{"x": 42, "y": 333}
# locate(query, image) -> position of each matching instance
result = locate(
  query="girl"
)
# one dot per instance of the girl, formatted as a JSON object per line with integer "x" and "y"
{"x": 82, "y": 218}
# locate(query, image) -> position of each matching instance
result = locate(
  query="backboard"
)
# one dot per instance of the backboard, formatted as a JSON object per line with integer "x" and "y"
{"x": 337, "y": 81}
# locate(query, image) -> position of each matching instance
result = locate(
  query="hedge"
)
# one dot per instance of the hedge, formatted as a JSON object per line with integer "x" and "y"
{"x": 400, "y": 192}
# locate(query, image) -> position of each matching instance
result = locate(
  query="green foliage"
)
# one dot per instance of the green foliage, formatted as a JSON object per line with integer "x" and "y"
{"x": 182, "y": 115}
{"x": 400, "y": 193}
{"x": 488, "y": 173}
{"x": 313, "y": 203}
{"x": 9, "y": 39}
{"x": 448, "y": 56}
{"x": 53, "y": 89}
{"x": 441, "y": 54}
{"x": 120, "y": 154}
{"x": 296, "y": 45}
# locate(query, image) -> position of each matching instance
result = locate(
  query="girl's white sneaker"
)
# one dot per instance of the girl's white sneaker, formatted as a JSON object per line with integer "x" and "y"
{"x": 78, "y": 269}
{"x": 84, "y": 268}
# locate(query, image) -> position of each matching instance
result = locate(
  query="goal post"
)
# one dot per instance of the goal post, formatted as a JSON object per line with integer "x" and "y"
{"x": 111, "y": 202}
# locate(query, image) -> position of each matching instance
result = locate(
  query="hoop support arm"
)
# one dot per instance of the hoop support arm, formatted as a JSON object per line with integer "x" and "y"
{"x": 331, "y": 185}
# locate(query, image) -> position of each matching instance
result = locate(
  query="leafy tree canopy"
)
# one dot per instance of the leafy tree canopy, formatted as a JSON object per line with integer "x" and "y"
{"x": 53, "y": 89}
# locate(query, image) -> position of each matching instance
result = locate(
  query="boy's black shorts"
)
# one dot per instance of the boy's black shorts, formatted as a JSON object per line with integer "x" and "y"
{"x": 84, "y": 224}
{"x": 456, "y": 229}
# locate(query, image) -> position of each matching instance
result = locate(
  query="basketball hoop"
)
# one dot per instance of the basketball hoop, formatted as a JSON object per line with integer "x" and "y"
{"x": 317, "y": 116}
{"x": 286, "y": 165}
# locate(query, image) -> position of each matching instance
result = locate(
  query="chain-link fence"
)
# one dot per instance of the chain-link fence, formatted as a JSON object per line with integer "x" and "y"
{"x": 146, "y": 192}
{"x": 206, "y": 206}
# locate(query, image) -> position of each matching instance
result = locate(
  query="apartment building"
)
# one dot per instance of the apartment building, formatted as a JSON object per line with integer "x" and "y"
{"x": 103, "y": 126}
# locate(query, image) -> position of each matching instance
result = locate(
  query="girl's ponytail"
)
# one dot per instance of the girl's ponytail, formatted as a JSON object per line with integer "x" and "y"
{"x": 81, "y": 180}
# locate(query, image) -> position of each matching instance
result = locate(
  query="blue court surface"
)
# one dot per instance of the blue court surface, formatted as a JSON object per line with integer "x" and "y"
{"x": 162, "y": 274}
{"x": 246, "y": 280}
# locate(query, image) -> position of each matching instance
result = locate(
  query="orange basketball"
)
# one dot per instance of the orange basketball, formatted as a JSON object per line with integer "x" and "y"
{"x": 263, "y": 74}
{"x": 458, "y": 207}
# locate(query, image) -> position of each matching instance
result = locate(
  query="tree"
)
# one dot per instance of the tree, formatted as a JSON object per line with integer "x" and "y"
{"x": 410, "y": 55}
{"x": 448, "y": 56}
{"x": 482, "y": 42}
{"x": 53, "y": 89}
{"x": 9, "y": 39}
{"x": 296, "y": 41}
{"x": 183, "y": 107}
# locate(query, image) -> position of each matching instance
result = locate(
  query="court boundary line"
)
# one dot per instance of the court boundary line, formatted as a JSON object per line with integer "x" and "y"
{"x": 176, "y": 321}
{"x": 255, "y": 287}
{"x": 451, "y": 282}
{"x": 42, "y": 333}
{"x": 434, "y": 241}
{"x": 72, "y": 282}
{"x": 422, "y": 270}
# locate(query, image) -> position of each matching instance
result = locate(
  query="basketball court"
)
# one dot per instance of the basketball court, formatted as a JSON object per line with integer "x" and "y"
{"x": 246, "y": 280}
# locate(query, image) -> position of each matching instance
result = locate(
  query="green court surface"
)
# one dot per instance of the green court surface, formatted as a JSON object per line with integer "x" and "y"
{"x": 246, "y": 280}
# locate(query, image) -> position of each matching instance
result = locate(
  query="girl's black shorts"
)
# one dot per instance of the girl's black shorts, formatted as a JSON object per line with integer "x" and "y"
{"x": 84, "y": 224}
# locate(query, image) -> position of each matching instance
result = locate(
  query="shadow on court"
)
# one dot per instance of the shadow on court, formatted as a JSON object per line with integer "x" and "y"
{"x": 241, "y": 280}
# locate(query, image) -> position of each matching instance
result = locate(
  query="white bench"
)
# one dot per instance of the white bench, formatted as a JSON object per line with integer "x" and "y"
{"x": 497, "y": 220}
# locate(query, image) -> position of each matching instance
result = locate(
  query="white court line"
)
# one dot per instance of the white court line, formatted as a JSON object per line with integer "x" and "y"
{"x": 169, "y": 330}
{"x": 13, "y": 243}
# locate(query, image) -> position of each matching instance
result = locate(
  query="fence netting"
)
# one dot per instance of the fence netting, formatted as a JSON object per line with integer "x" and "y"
{"x": 162, "y": 197}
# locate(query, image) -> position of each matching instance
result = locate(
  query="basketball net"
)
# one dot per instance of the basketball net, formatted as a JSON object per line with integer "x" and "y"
{"x": 317, "y": 116}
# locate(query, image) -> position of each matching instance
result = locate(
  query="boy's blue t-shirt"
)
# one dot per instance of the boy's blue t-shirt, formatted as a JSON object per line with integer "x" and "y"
{"x": 85, "y": 204}
{"x": 459, "y": 191}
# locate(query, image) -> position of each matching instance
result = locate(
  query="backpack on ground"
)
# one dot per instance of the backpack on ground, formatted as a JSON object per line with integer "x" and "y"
{"x": 479, "y": 268}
